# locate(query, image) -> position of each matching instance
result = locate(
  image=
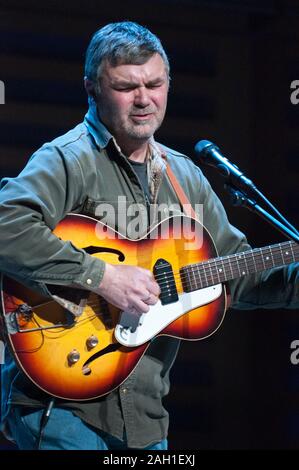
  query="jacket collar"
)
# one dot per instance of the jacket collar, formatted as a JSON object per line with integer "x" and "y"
{"x": 99, "y": 132}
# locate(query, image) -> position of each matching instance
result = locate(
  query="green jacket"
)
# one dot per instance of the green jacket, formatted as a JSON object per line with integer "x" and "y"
{"x": 74, "y": 173}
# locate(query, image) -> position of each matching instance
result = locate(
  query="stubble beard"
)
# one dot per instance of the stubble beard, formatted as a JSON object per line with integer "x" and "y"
{"x": 143, "y": 130}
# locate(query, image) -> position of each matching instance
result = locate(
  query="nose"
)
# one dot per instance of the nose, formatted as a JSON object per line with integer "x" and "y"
{"x": 141, "y": 97}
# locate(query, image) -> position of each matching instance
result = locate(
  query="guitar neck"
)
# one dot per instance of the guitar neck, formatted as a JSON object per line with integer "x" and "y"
{"x": 225, "y": 268}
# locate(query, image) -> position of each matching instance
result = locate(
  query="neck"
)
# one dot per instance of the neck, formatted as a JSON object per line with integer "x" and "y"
{"x": 137, "y": 153}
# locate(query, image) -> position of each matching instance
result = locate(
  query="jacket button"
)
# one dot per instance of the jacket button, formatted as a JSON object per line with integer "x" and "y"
{"x": 89, "y": 281}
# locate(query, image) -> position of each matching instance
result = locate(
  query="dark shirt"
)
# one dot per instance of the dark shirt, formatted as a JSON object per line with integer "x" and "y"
{"x": 141, "y": 171}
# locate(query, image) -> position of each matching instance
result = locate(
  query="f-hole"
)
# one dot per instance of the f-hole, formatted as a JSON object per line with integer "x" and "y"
{"x": 91, "y": 250}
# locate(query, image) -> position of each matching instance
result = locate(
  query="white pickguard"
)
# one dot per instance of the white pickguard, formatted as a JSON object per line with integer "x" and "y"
{"x": 159, "y": 316}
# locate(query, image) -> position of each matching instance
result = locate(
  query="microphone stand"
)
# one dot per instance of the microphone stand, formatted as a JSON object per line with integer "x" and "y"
{"x": 241, "y": 199}
{"x": 242, "y": 190}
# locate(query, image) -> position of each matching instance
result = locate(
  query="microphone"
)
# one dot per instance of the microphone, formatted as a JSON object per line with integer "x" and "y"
{"x": 209, "y": 154}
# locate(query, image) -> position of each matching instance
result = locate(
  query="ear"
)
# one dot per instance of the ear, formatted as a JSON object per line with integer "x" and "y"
{"x": 89, "y": 87}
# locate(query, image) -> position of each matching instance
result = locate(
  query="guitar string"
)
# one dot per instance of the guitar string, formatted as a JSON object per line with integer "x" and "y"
{"x": 201, "y": 278}
{"x": 250, "y": 259}
{"x": 211, "y": 273}
{"x": 197, "y": 269}
{"x": 257, "y": 253}
{"x": 197, "y": 281}
{"x": 192, "y": 283}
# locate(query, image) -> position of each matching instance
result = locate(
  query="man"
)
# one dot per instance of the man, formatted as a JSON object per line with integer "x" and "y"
{"x": 112, "y": 153}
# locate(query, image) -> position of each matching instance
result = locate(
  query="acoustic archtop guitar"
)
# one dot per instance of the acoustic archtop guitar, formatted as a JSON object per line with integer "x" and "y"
{"x": 84, "y": 356}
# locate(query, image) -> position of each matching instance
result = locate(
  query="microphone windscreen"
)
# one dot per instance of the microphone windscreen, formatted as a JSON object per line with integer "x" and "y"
{"x": 202, "y": 146}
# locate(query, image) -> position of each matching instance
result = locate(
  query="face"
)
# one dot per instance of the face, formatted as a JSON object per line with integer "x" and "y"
{"x": 132, "y": 100}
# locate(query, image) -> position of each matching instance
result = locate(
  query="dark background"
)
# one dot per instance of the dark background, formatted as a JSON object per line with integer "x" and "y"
{"x": 232, "y": 63}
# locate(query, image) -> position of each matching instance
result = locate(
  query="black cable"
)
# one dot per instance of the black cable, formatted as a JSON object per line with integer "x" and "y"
{"x": 44, "y": 419}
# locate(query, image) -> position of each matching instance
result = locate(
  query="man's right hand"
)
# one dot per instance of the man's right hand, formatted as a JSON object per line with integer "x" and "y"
{"x": 130, "y": 288}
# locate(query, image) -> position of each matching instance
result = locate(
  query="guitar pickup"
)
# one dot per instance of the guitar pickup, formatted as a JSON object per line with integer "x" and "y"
{"x": 164, "y": 276}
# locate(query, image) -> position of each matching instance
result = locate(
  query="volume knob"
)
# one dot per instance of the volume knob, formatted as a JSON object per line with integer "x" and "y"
{"x": 92, "y": 342}
{"x": 73, "y": 356}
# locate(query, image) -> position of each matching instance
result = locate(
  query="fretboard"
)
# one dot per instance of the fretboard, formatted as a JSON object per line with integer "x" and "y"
{"x": 218, "y": 270}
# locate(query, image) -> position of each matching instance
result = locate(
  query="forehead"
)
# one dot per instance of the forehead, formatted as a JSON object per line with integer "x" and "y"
{"x": 153, "y": 68}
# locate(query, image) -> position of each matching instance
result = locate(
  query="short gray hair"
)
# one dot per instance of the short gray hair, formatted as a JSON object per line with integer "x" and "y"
{"x": 121, "y": 43}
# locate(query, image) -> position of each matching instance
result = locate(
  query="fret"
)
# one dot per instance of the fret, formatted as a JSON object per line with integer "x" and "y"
{"x": 216, "y": 274}
{"x": 236, "y": 256}
{"x": 253, "y": 259}
{"x": 229, "y": 267}
{"x": 262, "y": 258}
{"x": 287, "y": 253}
{"x": 292, "y": 251}
{"x": 273, "y": 263}
{"x": 220, "y": 269}
{"x": 205, "y": 274}
{"x": 189, "y": 282}
{"x": 280, "y": 254}
{"x": 192, "y": 279}
{"x": 217, "y": 270}
{"x": 268, "y": 262}
{"x": 212, "y": 275}
{"x": 242, "y": 263}
{"x": 198, "y": 278}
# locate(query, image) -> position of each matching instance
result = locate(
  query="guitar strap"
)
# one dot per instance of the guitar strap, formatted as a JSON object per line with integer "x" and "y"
{"x": 185, "y": 203}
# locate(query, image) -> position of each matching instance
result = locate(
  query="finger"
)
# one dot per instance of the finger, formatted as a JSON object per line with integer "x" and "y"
{"x": 140, "y": 307}
{"x": 152, "y": 300}
{"x": 147, "y": 273}
{"x": 146, "y": 296}
{"x": 155, "y": 289}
